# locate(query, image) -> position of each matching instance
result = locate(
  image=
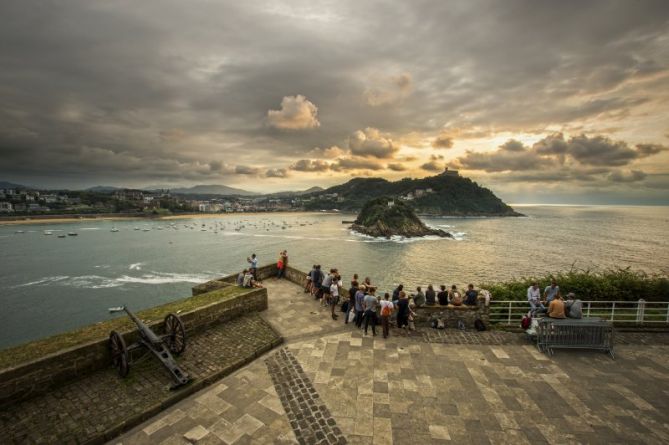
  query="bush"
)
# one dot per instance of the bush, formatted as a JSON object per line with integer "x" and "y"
{"x": 609, "y": 285}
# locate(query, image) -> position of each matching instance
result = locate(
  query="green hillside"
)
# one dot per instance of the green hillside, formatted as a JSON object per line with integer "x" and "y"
{"x": 436, "y": 195}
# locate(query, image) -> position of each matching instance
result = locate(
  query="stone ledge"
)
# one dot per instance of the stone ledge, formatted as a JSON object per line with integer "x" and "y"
{"x": 100, "y": 406}
{"x": 33, "y": 377}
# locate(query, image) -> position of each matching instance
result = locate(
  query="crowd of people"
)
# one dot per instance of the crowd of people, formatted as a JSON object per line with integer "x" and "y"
{"x": 552, "y": 304}
{"x": 363, "y": 307}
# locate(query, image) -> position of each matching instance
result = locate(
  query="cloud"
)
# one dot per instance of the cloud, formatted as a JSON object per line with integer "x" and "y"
{"x": 327, "y": 153}
{"x": 296, "y": 113}
{"x": 443, "y": 140}
{"x": 370, "y": 142}
{"x": 397, "y": 167}
{"x": 600, "y": 150}
{"x": 433, "y": 166}
{"x": 389, "y": 90}
{"x": 309, "y": 165}
{"x": 356, "y": 163}
{"x": 246, "y": 170}
{"x": 513, "y": 146}
{"x": 650, "y": 149}
{"x": 276, "y": 173}
{"x": 630, "y": 176}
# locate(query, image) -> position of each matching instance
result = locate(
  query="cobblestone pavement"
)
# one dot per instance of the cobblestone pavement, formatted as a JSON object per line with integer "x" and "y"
{"x": 87, "y": 408}
{"x": 432, "y": 387}
{"x": 309, "y": 417}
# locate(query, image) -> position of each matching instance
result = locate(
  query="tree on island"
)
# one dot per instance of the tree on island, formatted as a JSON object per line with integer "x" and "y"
{"x": 386, "y": 217}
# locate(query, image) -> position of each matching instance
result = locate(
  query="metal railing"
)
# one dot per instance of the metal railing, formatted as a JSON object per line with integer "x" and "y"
{"x": 651, "y": 313}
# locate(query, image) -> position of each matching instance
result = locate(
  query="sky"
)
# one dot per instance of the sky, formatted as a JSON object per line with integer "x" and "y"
{"x": 540, "y": 101}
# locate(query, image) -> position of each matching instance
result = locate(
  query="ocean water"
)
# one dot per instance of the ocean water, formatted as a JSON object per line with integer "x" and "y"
{"x": 50, "y": 285}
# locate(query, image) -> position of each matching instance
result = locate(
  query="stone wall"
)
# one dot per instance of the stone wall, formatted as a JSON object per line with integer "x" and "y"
{"x": 451, "y": 314}
{"x": 31, "y": 378}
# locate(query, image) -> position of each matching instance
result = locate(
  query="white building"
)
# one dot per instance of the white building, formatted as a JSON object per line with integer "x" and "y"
{"x": 6, "y": 207}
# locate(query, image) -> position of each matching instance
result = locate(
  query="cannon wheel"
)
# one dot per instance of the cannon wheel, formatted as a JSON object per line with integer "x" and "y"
{"x": 175, "y": 334}
{"x": 119, "y": 353}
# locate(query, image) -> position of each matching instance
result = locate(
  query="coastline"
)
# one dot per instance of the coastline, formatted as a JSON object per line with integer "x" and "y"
{"x": 60, "y": 219}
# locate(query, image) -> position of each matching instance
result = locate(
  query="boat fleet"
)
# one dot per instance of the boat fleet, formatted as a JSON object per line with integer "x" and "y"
{"x": 265, "y": 224}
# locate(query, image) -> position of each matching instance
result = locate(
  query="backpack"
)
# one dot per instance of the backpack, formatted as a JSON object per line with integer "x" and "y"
{"x": 526, "y": 322}
{"x": 478, "y": 324}
{"x": 461, "y": 325}
{"x": 385, "y": 311}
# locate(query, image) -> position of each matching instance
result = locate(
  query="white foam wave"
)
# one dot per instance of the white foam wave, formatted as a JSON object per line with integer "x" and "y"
{"x": 45, "y": 280}
{"x": 459, "y": 236}
{"x": 398, "y": 239}
{"x": 136, "y": 266}
{"x": 164, "y": 278}
{"x": 90, "y": 228}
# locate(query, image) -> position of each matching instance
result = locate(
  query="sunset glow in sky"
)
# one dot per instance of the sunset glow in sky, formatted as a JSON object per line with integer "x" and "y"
{"x": 541, "y": 101}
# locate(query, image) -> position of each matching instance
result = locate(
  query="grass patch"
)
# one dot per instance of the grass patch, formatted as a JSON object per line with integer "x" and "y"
{"x": 98, "y": 331}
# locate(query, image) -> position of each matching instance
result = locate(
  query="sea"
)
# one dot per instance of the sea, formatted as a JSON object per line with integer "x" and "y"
{"x": 51, "y": 284}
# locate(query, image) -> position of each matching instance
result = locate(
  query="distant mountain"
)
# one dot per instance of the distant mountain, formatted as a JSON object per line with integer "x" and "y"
{"x": 444, "y": 194}
{"x": 288, "y": 194}
{"x": 214, "y": 189}
{"x": 102, "y": 189}
{"x": 11, "y": 185}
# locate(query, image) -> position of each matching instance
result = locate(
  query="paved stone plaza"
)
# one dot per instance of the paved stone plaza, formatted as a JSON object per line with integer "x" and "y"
{"x": 331, "y": 384}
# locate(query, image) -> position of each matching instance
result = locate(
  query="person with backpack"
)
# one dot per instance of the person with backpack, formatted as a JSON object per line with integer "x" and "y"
{"x": 351, "y": 299}
{"x": 387, "y": 308}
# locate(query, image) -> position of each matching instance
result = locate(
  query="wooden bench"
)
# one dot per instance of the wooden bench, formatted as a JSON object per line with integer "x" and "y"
{"x": 571, "y": 333}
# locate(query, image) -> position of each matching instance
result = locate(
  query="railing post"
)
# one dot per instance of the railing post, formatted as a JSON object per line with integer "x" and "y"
{"x": 589, "y": 303}
{"x": 640, "y": 310}
{"x": 613, "y": 309}
{"x": 509, "y": 318}
{"x": 668, "y": 313}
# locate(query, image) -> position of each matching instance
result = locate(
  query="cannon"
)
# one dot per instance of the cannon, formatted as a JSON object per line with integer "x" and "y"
{"x": 162, "y": 346}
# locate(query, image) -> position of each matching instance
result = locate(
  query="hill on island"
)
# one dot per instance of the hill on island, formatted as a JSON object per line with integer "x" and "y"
{"x": 386, "y": 217}
{"x": 444, "y": 194}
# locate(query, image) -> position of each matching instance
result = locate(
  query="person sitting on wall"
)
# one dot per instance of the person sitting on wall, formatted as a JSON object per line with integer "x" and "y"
{"x": 454, "y": 296}
{"x": 442, "y": 296}
{"x": 240, "y": 277}
{"x": 556, "y": 308}
{"x": 419, "y": 297}
{"x": 534, "y": 299}
{"x": 253, "y": 261}
{"x": 551, "y": 291}
{"x": 310, "y": 275}
{"x": 573, "y": 306}
{"x": 471, "y": 295}
{"x": 430, "y": 296}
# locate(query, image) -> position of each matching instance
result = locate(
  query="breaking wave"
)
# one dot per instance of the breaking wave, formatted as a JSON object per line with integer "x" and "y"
{"x": 100, "y": 282}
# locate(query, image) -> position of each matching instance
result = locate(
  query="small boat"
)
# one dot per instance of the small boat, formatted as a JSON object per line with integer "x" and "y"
{"x": 72, "y": 234}
{"x": 114, "y": 229}
{"x": 62, "y": 236}
{"x": 19, "y": 231}
{"x": 146, "y": 229}
{"x": 136, "y": 228}
{"x": 48, "y": 232}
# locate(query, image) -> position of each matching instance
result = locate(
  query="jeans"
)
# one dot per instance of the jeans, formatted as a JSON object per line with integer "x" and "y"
{"x": 281, "y": 273}
{"x": 537, "y": 308}
{"x": 358, "y": 318}
{"x": 385, "y": 320}
{"x": 370, "y": 317}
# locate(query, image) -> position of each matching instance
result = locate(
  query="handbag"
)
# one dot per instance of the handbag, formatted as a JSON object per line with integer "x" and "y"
{"x": 351, "y": 316}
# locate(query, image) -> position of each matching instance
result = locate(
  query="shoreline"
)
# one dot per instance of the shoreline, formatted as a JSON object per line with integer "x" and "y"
{"x": 61, "y": 219}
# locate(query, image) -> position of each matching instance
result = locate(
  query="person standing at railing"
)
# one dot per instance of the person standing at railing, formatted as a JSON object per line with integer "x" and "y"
{"x": 534, "y": 299}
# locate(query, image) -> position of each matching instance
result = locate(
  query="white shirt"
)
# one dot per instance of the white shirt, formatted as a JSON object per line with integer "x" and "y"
{"x": 533, "y": 294}
{"x": 334, "y": 290}
{"x": 387, "y": 303}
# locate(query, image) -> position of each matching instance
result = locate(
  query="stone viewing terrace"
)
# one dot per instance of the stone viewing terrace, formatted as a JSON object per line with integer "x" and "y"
{"x": 329, "y": 383}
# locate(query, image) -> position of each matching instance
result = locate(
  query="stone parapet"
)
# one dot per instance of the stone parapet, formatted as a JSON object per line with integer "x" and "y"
{"x": 27, "y": 379}
{"x": 452, "y": 314}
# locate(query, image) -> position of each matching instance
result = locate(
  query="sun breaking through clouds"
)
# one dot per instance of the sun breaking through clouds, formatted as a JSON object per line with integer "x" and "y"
{"x": 276, "y": 96}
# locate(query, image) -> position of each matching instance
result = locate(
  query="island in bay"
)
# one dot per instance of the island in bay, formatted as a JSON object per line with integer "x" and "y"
{"x": 386, "y": 217}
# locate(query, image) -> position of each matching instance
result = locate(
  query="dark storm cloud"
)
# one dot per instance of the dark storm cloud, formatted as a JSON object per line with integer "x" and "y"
{"x": 580, "y": 159}
{"x": 183, "y": 91}
{"x": 397, "y": 167}
{"x": 309, "y": 165}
